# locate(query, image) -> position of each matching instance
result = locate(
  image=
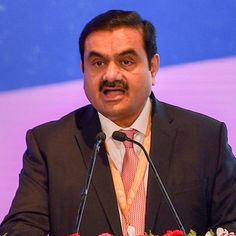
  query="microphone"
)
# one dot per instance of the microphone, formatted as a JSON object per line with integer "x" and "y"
{"x": 100, "y": 137}
{"x": 120, "y": 136}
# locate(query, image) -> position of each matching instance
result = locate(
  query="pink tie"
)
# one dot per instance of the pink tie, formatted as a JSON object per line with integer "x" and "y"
{"x": 130, "y": 163}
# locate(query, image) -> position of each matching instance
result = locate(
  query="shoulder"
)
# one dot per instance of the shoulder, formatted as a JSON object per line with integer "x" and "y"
{"x": 186, "y": 117}
{"x": 180, "y": 116}
{"x": 187, "y": 121}
{"x": 66, "y": 125}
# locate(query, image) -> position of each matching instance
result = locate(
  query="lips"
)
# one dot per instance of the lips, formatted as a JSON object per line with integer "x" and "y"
{"x": 107, "y": 91}
{"x": 113, "y": 94}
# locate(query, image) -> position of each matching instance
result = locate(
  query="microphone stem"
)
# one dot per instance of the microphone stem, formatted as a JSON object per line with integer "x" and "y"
{"x": 163, "y": 190}
{"x": 87, "y": 184}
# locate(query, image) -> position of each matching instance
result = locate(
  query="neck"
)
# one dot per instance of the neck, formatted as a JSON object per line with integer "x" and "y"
{"x": 127, "y": 122}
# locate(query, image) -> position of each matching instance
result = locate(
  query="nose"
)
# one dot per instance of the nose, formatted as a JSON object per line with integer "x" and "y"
{"x": 112, "y": 72}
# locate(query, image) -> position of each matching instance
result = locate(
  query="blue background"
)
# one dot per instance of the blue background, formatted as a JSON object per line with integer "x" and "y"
{"x": 38, "y": 39}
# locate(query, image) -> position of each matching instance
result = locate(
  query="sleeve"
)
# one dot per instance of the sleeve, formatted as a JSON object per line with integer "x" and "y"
{"x": 28, "y": 214}
{"x": 223, "y": 204}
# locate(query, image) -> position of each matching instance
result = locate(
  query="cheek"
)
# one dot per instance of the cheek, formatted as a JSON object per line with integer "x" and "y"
{"x": 89, "y": 87}
{"x": 146, "y": 81}
{"x": 90, "y": 82}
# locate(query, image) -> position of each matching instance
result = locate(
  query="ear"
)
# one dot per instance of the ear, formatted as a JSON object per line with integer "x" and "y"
{"x": 155, "y": 65}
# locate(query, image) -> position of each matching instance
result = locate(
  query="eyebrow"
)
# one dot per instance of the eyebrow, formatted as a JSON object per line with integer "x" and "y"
{"x": 129, "y": 51}
{"x": 95, "y": 54}
{"x": 124, "y": 53}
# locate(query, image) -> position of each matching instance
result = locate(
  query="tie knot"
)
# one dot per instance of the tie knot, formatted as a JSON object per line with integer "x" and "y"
{"x": 130, "y": 134}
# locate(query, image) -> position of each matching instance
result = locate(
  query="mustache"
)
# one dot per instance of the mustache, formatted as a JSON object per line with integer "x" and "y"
{"x": 113, "y": 84}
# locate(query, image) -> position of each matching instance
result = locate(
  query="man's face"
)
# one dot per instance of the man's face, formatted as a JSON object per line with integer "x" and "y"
{"x": 117, "y": 78}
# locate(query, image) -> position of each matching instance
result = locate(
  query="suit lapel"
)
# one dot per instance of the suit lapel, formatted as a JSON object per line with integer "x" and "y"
{"x": 163, "y": 135}
{"x": 89, "y": 126}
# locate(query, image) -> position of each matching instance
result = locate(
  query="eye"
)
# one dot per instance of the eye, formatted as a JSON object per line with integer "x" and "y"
{"x": 98, "y": 63}
{"x": 127, "y": 62}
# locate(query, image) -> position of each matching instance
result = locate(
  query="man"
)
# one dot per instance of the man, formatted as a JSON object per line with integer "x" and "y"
{"x": 119, "y": 62}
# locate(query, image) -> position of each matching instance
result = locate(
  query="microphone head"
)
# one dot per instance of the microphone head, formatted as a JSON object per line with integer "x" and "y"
{"x": 101, "y": 136}
{"x": 119, "y": 136}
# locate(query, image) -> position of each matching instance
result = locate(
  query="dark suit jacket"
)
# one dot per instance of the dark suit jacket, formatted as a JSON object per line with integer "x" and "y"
{"x": 189, "y": 150}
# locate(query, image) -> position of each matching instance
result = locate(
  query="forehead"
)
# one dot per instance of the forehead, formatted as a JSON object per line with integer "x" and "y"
{"x": 114, "y": 41}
